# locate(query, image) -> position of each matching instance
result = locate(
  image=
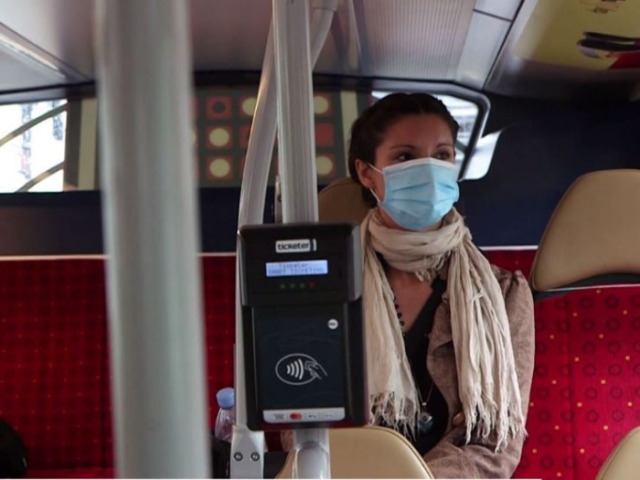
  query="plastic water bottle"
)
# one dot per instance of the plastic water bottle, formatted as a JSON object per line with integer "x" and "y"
{"x": 226, "y": 415}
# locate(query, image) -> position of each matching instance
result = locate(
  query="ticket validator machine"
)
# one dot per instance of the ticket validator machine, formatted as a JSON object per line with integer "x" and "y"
{"x": 302, "y": 326}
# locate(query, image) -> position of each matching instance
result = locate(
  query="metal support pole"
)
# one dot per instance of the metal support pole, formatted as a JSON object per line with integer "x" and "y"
{"x": 154, "y": 277}
{"x": 263, "y": 127}
{"x": 298, "y": 170}
{"x": 296, "y": 132}
{"x": 248, "y": 446}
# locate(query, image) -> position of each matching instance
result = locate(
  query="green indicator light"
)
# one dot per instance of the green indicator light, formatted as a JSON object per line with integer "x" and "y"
{"x": 292, "y": 286}
{"x": 303, "y": 286}
{"x": 283, "y": 286}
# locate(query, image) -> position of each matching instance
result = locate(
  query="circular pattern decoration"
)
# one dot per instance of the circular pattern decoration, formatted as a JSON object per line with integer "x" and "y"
{"x": 547, "y": 462}
{"x": 589, "y": 348}
{"x": 321, "y": 105}
{"x": 616, "y": 393}
{"x": 593, "y": 439}
{"x": 615, "y": 370}
{"x": 595, "y": 463}
{"x": 614, "y": 347}
{"x": 566, "y": 393}
{"x": 613, "y": 324}
{"x": 586, "y": 302}
{"x": 542, "y": 393}
{"x": 541, "y": 348}
{"x": 545, "y": 439}
{"x": 218, "y": 107}
{"x": 219, "y": 137}
{"x": 591, "y": 393}
{"x": 541, "y": 370}
{"x": 568, "y": 416}
{"x": 612, "y": 301}
{"x": 618, "y": 416}
{"x": 544, "y": 416}
{"x": 636, "y": 347}
{"x": 569, "y": 439}
{"x": 564, "y": 349}
{"x": 588, "y": 325}
{"x": 220, "y": 168}
{"x": 589, "y": 370}
{"x": 593, "y": 416}
{"x": 563, "y": 326}
{"x": 635, "y": 300}
{"x": 561, "y": 304}
{"x": 325, "y": 165}
{"x": 249, "y": 106}
{"x": 636, "y": 323}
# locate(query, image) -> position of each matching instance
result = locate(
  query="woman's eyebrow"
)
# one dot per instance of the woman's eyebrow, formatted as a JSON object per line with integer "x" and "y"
{"x": 401, "y": 146}
{"x": 446, "y": 145}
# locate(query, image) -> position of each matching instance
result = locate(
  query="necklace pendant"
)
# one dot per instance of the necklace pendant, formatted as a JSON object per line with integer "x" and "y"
{"x": 425, "y": 423}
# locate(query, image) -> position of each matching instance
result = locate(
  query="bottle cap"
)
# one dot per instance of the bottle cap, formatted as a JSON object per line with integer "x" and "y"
{"x": 226, "y": 398}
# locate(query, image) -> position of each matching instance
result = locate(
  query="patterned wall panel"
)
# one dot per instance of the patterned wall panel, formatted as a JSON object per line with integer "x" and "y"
{"x": 223, "y": 126}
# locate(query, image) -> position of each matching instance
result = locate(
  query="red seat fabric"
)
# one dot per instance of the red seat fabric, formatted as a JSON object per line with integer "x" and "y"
{"x": 586, "y": 386}
{"x": 52, "y": 354}
{"x": 54, "y": 367}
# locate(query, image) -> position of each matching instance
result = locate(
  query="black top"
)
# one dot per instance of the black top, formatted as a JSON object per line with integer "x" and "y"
{"x": 416, "y": 342}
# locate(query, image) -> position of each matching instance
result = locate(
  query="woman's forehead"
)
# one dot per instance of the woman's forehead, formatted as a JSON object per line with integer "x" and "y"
{"x": 413, "y": 129}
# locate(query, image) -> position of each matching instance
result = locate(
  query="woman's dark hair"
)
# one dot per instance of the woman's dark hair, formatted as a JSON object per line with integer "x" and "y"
{"x": 368, "y": 130}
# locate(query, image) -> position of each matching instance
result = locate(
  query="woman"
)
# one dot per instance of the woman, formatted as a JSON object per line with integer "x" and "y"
{"x": 452, "y": 337}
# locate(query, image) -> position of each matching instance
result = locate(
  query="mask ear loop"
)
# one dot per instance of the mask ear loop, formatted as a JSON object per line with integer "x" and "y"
{"x": 370, "y": 165}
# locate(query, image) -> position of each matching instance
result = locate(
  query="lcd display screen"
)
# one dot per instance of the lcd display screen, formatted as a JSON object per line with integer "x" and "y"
{"x": 300, "y": 268}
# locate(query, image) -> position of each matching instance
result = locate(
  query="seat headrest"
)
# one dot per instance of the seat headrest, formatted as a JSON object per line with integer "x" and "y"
{"x": 593, "y": 236}
{"x": 342, "y": 201}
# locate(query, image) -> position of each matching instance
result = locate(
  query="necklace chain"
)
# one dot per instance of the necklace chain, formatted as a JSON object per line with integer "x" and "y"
{"x": 404, "y": 334}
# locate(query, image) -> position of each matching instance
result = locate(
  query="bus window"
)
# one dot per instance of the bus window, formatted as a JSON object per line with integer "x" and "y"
{"x": 32, "y": 146}
{"x": 58, "y": 151}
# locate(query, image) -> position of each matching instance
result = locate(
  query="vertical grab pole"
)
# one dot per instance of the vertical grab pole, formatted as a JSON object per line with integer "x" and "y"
{"x": 150, "y": 211}
{"x": 297, "y": 165}
{"x": 247, "y": 460}
{"x": 298, "y": 172}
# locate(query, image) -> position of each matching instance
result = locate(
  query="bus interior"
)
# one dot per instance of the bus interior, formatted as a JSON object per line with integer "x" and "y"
{"x": 547, "y": 95}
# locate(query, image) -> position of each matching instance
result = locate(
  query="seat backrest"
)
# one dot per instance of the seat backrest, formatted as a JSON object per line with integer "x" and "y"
{"x": 592, "y": 240}
{"x": 342, "y": 201}
{"x": 624, "y": 461}
{"x": 370, "y": 452}
{"x": 593, "y": 235}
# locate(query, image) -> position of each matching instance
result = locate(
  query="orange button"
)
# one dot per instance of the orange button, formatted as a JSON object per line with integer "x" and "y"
{"x": 295, "y": 416}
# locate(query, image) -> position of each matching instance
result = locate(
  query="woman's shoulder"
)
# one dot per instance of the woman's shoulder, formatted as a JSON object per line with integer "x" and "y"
{"x": 508, "y": 279}
{"x": 516, "y": 291}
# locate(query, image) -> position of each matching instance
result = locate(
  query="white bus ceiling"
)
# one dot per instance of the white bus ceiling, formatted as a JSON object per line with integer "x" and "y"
{"x": 523, "y": 48}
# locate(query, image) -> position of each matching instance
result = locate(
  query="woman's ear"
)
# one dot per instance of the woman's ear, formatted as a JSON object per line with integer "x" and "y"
{"x": 365, "y": 173}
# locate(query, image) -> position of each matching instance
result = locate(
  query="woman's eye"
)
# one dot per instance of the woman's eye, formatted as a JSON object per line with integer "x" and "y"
{"x": 444, "y": 155}
{"x": 405, "y": 157}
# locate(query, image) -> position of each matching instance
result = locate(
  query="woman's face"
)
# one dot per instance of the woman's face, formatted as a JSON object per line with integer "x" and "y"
{"x": 411, "y": 137}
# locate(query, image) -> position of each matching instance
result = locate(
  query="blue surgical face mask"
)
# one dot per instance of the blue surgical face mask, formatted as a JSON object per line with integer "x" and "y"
{"x": 419, "y": 193}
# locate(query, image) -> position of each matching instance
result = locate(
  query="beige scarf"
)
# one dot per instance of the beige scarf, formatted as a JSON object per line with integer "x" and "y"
{"x": 487, "y": 380}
